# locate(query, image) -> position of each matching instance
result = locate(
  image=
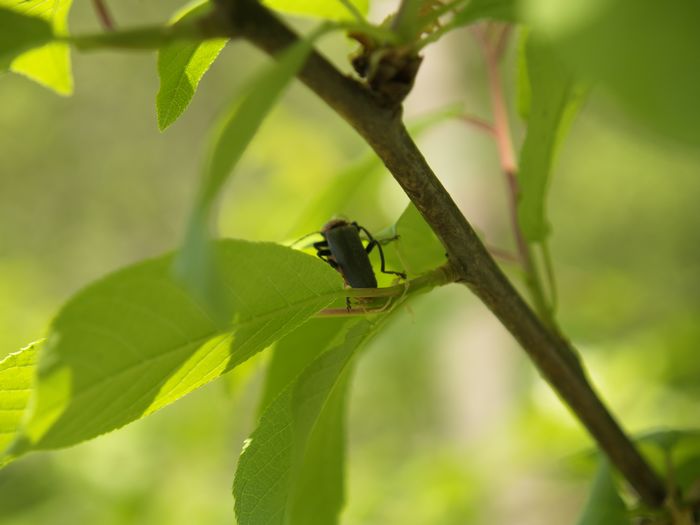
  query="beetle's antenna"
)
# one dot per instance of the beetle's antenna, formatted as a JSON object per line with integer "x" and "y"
{"x": 292, "y": 245}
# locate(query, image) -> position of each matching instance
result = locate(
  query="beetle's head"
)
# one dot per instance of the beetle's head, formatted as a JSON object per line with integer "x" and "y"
{"x": 336, "y": 222}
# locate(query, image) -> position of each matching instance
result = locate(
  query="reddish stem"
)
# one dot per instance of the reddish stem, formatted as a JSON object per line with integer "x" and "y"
{"x": 103, "y": 15}
{"x": 492, "y": 52}
{"x": 480, "y": 123}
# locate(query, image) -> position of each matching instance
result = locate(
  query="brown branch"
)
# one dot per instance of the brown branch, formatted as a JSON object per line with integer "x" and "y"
{"x": 383, "y": 130}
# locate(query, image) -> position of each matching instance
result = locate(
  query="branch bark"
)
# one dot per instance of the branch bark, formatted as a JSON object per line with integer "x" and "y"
{"x": 382, "y": 128}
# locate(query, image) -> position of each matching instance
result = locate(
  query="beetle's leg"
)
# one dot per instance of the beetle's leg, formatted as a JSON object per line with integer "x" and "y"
{"x": 348, "y": 305}
{"x": 389, "y": 239}
{"x": 324, "y": 253}
{"x": 383, "y": 267}
{"x": 326, "y": 256}
{"x": 371, "y": 246}
{"x": 395, "y": 237}
{"x": 372, "y": 243}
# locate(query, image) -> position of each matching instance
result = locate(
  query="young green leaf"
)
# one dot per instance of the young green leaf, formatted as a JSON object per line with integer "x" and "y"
{"x": 604, "y": 505}
{"x": 554, "y": 97}
{"x": 234, "y": 133}
{"x": 49, "y": 64}
{"x": 406, "y": 24}
{"x": 19, "y": 33}
{"x": 181, "y": 65}
{"x": 291, "y": 470}
{"x": 135, "y": 341}
{"x": 239, "y": 125}
{"x": 417, "y": 248}
{"x": 493, "y": 9}
{"x": 16, "y": 376}
{"x": 325, "y": 9}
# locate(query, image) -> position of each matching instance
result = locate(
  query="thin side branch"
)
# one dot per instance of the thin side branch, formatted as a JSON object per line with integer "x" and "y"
{"x": 384, "y": 131}
{"x": 103, "y": 15}
{"x": 501, "y": 125}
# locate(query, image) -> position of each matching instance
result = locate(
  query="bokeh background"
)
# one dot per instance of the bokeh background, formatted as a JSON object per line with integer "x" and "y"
{"x": 449, "y": 424}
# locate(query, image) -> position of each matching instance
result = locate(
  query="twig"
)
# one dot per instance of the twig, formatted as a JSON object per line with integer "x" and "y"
{"x": 480, "y": 123}
{"x": 103, "y": 15}
{"x": 504, "y": 255}
{"x": 383, "y": 130}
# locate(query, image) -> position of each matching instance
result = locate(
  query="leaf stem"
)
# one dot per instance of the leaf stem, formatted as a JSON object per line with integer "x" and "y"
{"x": 104, "y": 15}
{"x": 478, "y": 122}
{"x": 147, "y": 37}
{"x": 353, "y": 11}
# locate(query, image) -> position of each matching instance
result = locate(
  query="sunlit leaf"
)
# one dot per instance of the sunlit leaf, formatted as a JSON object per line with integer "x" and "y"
{"x": 49, "y": 64}
{"x": 16, "y": 376}
{"x": 135, "y": 341}
{"x": 604, "y": 505}
{"x": 19, "y": 33}
{"x": 554, "y": 97}
{"x": 291, "y": 470}
{"x": 326, "y": 9}
{"x": 181, "y": 65}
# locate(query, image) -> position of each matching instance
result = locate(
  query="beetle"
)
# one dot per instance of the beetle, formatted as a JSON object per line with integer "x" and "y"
{"x": 342, "y": 248}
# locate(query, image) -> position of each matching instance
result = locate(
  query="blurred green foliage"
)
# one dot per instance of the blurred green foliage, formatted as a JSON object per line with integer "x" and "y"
{"x": 448, "y": 422}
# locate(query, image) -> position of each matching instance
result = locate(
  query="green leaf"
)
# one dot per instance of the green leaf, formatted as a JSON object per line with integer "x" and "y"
{"x": 407, "y": 24}
{"x": 492, "y": 9}
{"x": 135, "y": 341}
{"x": 234, "y": 133}
{"x": 554, "y": 97}
{"x": 292, "y": 354}
{"x": 642, "y": 52}
{"x": 604, "y": 505}
{"x": 19, "y": 33}
{"x": 16, "y": 377}
{"x": 680, "y": 447}
{"x": 417, "y": 248}
{"x": 291, "y": 469}
{"x": 239, "y": 125}
{"x": 668, "y": 439}
{"x": 326, "y": 9}
{"x": 181, "y": 65}
{"x": 49, "y": 64}
{"x": 523, "y": 87}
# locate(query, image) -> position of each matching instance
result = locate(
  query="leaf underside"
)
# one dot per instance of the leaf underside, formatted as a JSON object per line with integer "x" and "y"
{"x": 49, "y": 64}
{"x": 136, "y": 341}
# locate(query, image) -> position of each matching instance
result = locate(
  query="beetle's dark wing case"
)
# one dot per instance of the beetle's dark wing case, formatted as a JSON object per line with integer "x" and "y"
{"x": 350, "y": 255}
